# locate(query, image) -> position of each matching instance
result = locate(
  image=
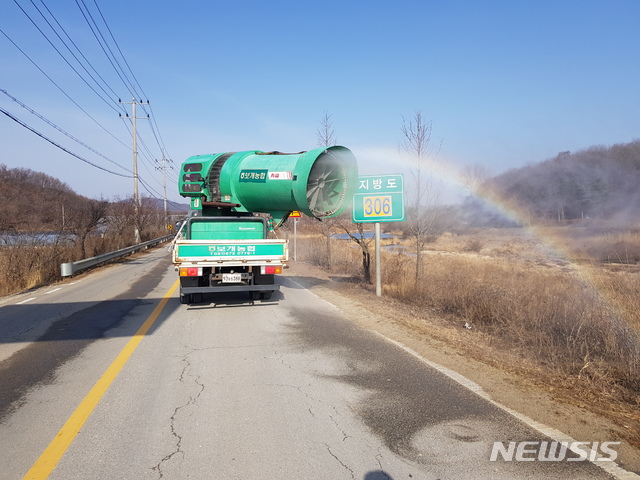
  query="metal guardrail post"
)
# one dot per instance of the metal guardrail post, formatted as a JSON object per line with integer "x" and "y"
{"x": 68, "y": 269}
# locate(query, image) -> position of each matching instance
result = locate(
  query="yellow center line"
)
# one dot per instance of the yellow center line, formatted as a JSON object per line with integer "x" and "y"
{"x": 43, "y": 467}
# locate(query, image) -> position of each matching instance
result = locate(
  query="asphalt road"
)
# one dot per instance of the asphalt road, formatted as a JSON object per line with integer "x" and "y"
{"x": 227, "y": 389}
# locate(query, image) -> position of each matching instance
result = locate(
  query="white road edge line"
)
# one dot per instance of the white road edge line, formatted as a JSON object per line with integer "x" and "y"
{"x": 25, "y": 301}
{"x": 610, "y": 467}
{"x": 46, "y": 293}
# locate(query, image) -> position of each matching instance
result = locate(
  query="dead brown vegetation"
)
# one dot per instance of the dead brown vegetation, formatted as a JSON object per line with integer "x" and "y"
{"x": 31, "y": 259}
{"x": 44, "y": 223}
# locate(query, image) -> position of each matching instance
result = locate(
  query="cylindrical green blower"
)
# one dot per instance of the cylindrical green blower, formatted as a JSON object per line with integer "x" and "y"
{"x": 320, "y": 182}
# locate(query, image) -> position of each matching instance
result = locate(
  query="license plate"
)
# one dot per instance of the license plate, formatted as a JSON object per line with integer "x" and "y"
{"x": 231, "y": 277}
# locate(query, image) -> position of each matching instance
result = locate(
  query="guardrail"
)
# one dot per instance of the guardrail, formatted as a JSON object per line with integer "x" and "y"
{"x": 68, "y": 269}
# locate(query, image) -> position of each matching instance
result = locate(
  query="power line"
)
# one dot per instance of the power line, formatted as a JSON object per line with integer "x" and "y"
{"x": 76, "y": 47}
{"x": 149, "y": 189}
{"x": 41, "y": 117}
{"x": 15, "y": 119}
{"x": 156, "y": 135}
{"x": 81, "y": 59}
{"x": 119, "y": 50}
{"x": 145, "y": 152}
{"x": 153, "y": 124}
{"x": 61, "y": 89}
{"x": 89, "y": 18}
{"x": 64, "y": 58}
{"x": 104, "y": 47}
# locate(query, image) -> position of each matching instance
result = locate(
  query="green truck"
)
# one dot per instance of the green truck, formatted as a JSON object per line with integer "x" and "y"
{"x": 237, "y": 199}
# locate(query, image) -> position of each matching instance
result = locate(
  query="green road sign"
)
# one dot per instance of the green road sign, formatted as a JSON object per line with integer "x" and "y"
{"x": 379, "y": 199}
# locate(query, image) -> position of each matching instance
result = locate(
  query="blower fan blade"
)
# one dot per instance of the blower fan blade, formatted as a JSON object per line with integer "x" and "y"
{"x": 327, "y": 185}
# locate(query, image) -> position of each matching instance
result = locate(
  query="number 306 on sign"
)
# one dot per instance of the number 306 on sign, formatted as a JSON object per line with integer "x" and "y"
{"x": 377, "y": 206}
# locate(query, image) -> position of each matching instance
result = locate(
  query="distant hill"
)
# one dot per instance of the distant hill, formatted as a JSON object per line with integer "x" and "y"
{"x": 32, "y": 200}
{"x": 172, "y": 207}
{"x": 598, "y": 183}
{"x": 35, "y": 201}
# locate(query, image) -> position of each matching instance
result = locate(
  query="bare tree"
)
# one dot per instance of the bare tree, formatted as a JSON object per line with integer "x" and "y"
{"x": 121, "y": 217}
{"x": 473, "y": 176}
{"x": 359, "y": 237}
{"x": 151, "y": 219}
{"x": 424, "y": 190}
{"x": 326, "y": 134}
{"x": 84, "y": 218}
{"x": 326, "y": 137}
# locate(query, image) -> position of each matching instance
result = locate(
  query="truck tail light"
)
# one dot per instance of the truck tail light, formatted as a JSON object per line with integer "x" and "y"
{"x": 190, "y": 271}
{"x": 270, "y": 269}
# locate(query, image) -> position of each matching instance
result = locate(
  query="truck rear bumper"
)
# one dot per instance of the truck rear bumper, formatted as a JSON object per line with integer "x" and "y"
{"x": 230, "y": 288}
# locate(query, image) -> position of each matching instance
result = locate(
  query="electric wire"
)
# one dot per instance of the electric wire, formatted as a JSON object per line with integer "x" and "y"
{"x": 155, "y": 135}
{"x": 64, "y": 58}
{"x": 33, "y": 130}
{"x": 101, "y": 43}
{"x": 145, "y": 152}
{"x": 154, "y": 124}
{"x": 71, "y": 51}
{"x": 150, "y": 190}
{"x": 168, "y": 170}
{"x": 76, "y": 47}
{"x": 119, "y": 50}
{"x": 91, "y": 20}
{"x": 41, "y": 117}
{"x": 160, "y": 142}
{"x": 144, "y": 155}
{"x": 62, "y": 90}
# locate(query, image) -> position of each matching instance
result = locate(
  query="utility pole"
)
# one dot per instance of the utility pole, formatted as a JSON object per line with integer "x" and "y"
{"x": 163, "y": 168}
{"x": 136, "y": 198}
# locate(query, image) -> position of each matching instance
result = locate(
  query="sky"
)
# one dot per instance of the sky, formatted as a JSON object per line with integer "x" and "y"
{"x": 503, "y": 83}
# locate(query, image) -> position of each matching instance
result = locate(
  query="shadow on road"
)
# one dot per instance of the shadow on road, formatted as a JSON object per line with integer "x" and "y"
{"x": 377, "y": 475}
{"x": 232, "y": 299}
{"x": 65, "y": 338}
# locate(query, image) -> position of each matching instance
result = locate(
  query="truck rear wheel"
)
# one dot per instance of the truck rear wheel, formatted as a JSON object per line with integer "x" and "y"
{"x": 265, "y": 295}
{"x": 254, "y": 295}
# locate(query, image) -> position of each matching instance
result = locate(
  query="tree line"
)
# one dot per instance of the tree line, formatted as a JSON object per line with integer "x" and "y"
{"x": 599, "y": 183}
{"x": 35, "y": 202}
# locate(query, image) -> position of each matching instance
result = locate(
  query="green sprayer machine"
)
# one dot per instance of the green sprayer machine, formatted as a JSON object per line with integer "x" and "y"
{"x": 237, "y": 199}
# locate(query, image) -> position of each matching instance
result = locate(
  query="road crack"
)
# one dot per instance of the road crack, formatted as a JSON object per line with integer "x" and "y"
{"x": 185, "y": 378}
{"x": 346, "y": 467}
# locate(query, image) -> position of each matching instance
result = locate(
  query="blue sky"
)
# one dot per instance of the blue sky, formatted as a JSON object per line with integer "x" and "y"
{"x": 505, "y": 83}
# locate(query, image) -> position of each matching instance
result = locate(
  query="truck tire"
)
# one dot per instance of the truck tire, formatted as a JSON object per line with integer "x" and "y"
{"x": 265, "y": 295}
{"x": 185, "y": 298}
{"x": 254, "y": 295}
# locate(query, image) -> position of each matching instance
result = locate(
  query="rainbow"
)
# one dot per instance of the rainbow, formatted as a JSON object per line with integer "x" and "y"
{"x": 445, "y": 173}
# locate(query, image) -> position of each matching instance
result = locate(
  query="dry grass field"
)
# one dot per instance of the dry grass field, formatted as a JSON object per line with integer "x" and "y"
{"x": 33, "y": 261}
{"x": 561, "y": 306}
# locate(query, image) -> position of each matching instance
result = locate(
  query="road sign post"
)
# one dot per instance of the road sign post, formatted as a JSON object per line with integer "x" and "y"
{"x": 379, "y": 198}
{"x": 295, "y": 215}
